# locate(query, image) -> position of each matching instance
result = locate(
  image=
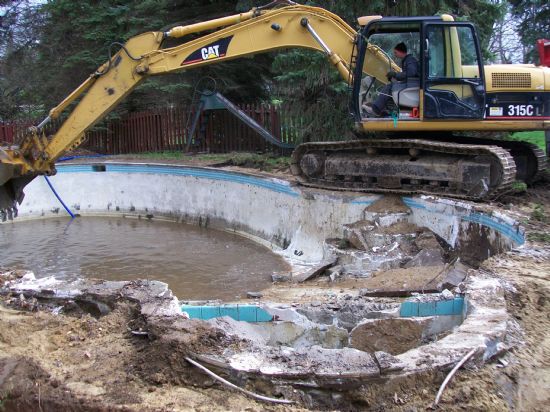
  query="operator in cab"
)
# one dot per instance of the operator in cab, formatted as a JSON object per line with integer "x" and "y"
{"x": 409, "y": 68}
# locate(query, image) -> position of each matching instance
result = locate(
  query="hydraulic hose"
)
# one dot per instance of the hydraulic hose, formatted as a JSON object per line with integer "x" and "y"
{"x": 59, "y": 198}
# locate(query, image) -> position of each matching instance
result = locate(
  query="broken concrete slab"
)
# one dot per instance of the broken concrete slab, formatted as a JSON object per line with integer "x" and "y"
{"x": 426, "y": 257}
{"x": 387, "y": 362}
{"x": 395, "y": 293}
{"x": 391, "y": 218}
{"x": 281, "y": 277}
{"x": 154, "y": 297}
{"x": 315, "y": 271}
{"x": 347, "y": 314}
{"x": 393, "y": 335}
{"x": 369, "y": 236}
{"x": 451, "y": 278}
{"x": 355, "y": 233}
{"x": 331, "y": 366}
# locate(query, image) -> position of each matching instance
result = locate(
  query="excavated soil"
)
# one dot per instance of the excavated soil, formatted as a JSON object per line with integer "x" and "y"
{"x": 388, "y": 204}
{"x": 54, "y": 362}
{"x": 63, "y": 363}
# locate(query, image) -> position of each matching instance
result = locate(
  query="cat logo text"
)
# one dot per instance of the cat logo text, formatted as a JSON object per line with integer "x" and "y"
{"x": 214, "y": 50}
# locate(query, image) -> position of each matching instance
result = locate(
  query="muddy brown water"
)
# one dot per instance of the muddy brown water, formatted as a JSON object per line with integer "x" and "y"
{"x": 196, "y": 263}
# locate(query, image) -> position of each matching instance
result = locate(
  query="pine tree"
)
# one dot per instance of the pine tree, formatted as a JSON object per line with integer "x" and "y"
{"x": 534, "y": 24}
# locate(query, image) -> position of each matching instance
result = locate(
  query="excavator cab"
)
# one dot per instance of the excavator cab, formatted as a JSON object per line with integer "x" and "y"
{"x": 452, "y": 75}
{"x": 451, "y": 82}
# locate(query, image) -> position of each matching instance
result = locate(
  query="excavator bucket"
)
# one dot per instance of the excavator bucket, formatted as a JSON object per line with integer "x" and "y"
{"x": 11, "y": 186}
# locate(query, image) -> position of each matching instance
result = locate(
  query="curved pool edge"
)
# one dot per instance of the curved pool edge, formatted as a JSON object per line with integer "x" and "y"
{"x": 294, "y": 219}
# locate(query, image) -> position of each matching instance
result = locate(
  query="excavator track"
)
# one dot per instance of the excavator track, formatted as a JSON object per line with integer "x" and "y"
{"x": 465, "y": 171}
{"x": 530, "y": 160}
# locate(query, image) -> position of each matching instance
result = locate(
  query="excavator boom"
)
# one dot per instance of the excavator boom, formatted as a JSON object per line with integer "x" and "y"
{"x": 451, "y": 95}
{"x": 257, "y": 31}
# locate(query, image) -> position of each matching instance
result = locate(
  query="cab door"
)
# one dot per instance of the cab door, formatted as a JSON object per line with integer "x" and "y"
{"x": 454, "y": 83}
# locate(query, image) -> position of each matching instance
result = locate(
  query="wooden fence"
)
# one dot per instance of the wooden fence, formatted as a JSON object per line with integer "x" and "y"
{"x": 218, "y": 131}
{"x": 7, "y": 133}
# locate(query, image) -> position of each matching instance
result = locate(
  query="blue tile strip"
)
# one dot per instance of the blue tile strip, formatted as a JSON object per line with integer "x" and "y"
{"x": 362, "y": 202}
{"x": 450, "y": 307}
{"x": 504, "y": 228}
{"x": 501, "y": 227}
{"x": 410, "y": 202}
{"x": 245, "y": 313}
{"x": 186, "y": 171}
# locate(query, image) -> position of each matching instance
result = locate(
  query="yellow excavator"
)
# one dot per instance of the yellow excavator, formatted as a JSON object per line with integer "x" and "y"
{"x": 426, "y": 146}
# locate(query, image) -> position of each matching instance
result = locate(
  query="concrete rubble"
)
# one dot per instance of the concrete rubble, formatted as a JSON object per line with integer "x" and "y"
{"x": 346, "y": 342}
{"x": 420, "y": 252}
{"x": 384, "y": 241}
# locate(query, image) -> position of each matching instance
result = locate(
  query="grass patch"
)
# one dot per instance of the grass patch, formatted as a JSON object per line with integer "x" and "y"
{"x": 264, "y": 161}
{"x": 267, "y": 162}
{"x": 536, "y": 137}
{"x": 539, "y": 214}
{"x": 519, "y": 187}
{"x": 539, "y": 237}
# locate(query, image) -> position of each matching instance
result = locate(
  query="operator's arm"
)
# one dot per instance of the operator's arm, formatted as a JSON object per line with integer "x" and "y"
{"x": 410, "y": 68}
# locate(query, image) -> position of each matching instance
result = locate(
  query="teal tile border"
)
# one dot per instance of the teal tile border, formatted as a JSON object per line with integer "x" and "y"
{"x": 245, "y": 313}
{"x": 362, "y": 202}
{"x": 451, "y": 307}
{"x": 410, "y": 202}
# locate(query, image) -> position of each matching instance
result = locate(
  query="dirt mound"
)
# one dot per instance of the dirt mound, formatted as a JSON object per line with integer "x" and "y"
{"x": 388, "y": 204}
{"x": 79, "y": 363}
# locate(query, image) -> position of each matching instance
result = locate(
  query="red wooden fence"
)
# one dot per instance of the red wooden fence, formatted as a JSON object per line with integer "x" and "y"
{"x": 218, "y": 131}
{"x": 7, "y": 133}
{"x": 166, "y": 129}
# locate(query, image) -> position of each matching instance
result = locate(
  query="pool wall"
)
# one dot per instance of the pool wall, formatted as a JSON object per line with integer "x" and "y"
{"x": 280, "y": 214}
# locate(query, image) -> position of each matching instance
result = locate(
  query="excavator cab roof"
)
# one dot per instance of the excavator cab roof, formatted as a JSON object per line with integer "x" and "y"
{"x": 396, "y": 24}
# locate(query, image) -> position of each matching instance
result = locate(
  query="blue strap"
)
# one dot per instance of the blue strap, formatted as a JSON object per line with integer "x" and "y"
{"x": 58, "y": 197}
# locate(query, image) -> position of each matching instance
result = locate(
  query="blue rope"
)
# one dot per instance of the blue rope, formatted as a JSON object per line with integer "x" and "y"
{"x": 59, "y": 198}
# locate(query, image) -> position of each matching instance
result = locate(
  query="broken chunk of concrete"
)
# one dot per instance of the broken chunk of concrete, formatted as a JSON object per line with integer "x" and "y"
{"x": 254, "y": 295}
{"x": 388, "y": 362}
{"x": 450, "y": 278}
{"x": 447, "y": 294}
{"x": 426, "y": 257}
{"x": 281, "y": 277}
{"x": 315, "y": 271}
{"x": 335, "y": 273}
{"x": 356, "y": 233}
{"x": 427, "y": 240}
{"x": 392, "y": 335}
{"x": 455, "y": 276}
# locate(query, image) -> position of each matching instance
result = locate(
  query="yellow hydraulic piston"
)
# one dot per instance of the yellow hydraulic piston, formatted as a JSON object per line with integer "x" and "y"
{"x": 180, "y": 31}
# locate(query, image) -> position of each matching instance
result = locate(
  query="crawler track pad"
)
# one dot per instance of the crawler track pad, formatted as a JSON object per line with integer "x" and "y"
{"x": 473, "y": 172}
